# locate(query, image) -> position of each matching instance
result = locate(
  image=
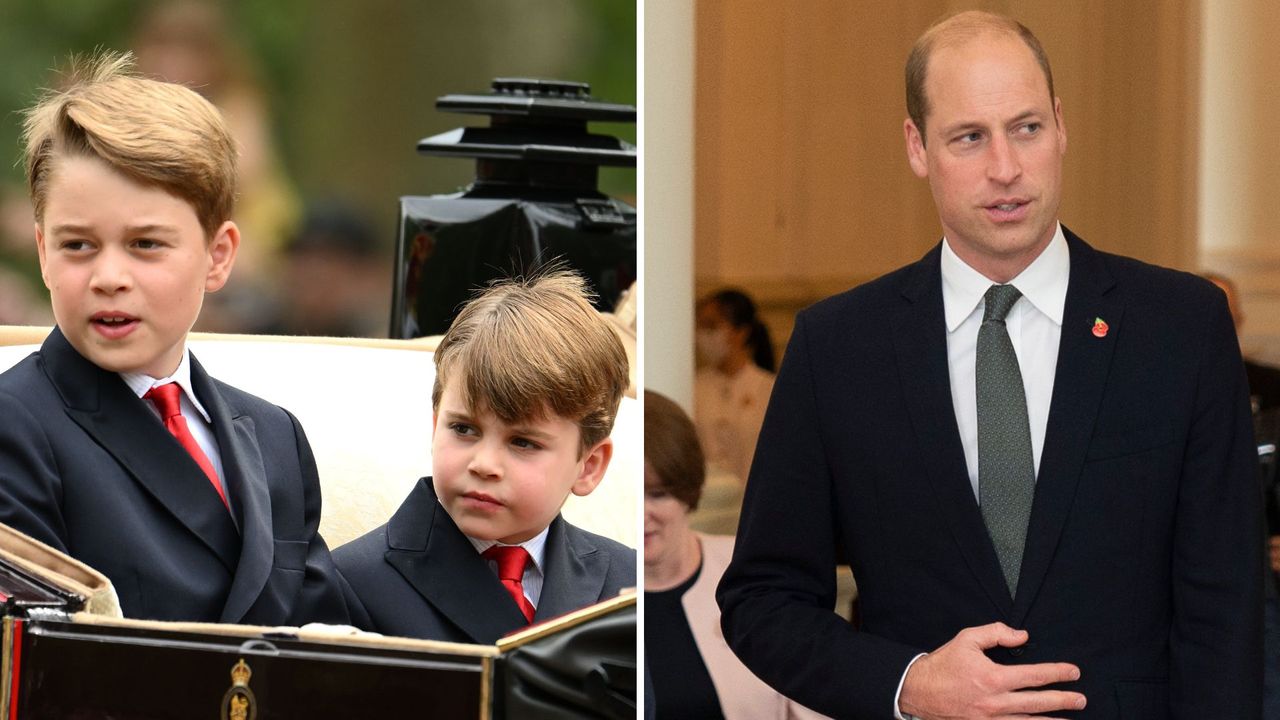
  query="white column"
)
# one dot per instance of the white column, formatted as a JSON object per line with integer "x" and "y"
{"x": 666, "y": 198}
{"x": 1239, "y": 166}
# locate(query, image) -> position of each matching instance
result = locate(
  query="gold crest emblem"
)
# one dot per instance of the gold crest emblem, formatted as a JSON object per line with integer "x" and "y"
{"x": 238, "y": 703}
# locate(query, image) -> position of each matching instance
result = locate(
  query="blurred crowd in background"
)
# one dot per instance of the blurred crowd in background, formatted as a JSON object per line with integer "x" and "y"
{"x": 327, "y": 99}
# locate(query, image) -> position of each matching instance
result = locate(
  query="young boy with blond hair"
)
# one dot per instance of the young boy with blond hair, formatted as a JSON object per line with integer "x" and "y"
{"x": 200, "y": 502}
{"x": 528, "y": 382}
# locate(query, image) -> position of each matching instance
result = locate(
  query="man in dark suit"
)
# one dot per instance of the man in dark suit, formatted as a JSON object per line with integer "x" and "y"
{"x": 200, "y": 502}
{"x": 1036, "y": 457}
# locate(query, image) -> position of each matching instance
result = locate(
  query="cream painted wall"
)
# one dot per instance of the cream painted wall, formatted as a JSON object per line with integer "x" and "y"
{"x": 801, "y": 183}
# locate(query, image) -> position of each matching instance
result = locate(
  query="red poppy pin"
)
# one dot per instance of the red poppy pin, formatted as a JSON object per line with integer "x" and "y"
{"x": 1100, "y": 327}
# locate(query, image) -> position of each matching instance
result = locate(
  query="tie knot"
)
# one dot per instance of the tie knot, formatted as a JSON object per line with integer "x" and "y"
{"x": 511, "y": 561}
{"x": 999, "y": 299}
{"x": 166, "y": 398}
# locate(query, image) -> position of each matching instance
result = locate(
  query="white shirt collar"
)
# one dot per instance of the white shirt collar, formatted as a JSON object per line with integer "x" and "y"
{"x": 1043, "y": 283}
{"x": 141, "y": 383}
{"x": 536, "y": 546}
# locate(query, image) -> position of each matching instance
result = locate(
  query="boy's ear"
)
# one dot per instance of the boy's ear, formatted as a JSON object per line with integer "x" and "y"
{"x": 594, "y": 462}
{"x": 222, "y": 255}
{"x": 44, "y": 275}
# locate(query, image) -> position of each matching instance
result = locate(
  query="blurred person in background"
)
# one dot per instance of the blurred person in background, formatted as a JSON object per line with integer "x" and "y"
{"x": 734, "y": 379}
{"x": 336, "y": 279}
{"x": 189, "y": 42}
{"x": 1264, "y": 397}
{"x": 693, "y": 671}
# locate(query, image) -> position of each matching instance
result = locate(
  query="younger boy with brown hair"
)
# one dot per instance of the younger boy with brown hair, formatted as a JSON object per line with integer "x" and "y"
{"x": 528, "y": 382}
{"x": 200, "y": 502}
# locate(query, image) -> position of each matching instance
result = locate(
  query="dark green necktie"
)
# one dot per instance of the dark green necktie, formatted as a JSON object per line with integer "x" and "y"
{"x": 1006, "y": 469}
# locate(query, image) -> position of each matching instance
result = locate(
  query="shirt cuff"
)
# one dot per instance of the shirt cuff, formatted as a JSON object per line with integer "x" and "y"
{"x": 897, "y": 711}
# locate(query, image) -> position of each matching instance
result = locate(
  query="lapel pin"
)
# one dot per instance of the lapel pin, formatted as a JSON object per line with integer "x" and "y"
{"x": 1100, "y": 327}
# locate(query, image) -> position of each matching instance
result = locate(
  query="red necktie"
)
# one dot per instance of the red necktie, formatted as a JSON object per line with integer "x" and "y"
{"x": 166, "y": 398}
{"x": 511, "y": 561}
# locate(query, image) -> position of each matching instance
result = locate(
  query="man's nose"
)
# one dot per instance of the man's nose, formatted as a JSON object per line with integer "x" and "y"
{"x": 1004, "y": 165}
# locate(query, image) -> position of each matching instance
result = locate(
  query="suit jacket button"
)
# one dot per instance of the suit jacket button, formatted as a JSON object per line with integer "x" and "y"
{"x": 1016, "y": 652}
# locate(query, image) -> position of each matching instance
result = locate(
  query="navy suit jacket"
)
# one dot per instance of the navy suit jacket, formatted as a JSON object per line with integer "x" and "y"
{"x": 418, "y": 575}
{"x": 88, "y": 468}
{"x": 1143, "y": 554}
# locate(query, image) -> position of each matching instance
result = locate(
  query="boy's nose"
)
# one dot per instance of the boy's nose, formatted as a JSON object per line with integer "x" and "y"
{"x": 110, "y": 275}
{"x": 485, "y": 461}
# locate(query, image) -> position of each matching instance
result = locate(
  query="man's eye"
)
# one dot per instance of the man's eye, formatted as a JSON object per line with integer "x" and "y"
{"x": 1031, "y": 128}
{"x": 146, "y": 244}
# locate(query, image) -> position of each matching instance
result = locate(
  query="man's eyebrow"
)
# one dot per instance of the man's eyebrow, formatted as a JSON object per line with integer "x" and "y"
{"x": 1023, "y": 116}
{"x": 972, "y": 125}
{"x": 961, "y": 127}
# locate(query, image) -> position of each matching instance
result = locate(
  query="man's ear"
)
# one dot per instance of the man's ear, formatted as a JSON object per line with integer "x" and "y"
{"x": 1062, "y": 126}
{"x": 915, "y": 149}
{"x": 222, "y": 255}
{"x": 594, "y": 462}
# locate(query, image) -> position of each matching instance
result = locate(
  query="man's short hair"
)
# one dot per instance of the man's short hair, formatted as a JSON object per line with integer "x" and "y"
{"x": 671, "y": 449}
{"x": 954, "y": 30}
{"x": 528, "y": 347}
{"x": 156, "y": 133}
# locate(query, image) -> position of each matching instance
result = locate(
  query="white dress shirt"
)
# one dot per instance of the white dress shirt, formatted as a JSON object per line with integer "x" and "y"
{"x": 198, "y": 420}
{"x": 536, "y": 546}
{"x": 1035, "y": 328}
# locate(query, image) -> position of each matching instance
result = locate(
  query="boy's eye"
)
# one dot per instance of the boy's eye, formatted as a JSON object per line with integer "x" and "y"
{"x": 73, "y": 245}
{"x": 525, "y": 443}
{"x": 146, "y": 244}
{"x": 462, "y": 429}
{"x": 657, "y": 494}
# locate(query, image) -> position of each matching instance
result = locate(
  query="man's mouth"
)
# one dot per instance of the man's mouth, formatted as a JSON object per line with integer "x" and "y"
{"x": 1007, "y": 209}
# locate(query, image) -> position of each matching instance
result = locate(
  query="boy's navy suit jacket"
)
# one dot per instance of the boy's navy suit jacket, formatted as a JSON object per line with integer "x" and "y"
{"x": 88, "y": 468}
{"x": 419, "y": 576}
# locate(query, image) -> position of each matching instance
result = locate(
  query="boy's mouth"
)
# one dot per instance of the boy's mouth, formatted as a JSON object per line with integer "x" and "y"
{"x": 113, "y": 325}
{"x": 482, "y": 499}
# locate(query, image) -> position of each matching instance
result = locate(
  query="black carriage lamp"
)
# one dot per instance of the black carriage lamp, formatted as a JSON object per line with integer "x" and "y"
{"x": 534, "y": 199}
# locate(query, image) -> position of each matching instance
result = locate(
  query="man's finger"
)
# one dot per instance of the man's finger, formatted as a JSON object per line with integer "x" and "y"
{"x": 1017, "y": 677}
{"x": 1036, "y": 702}
{"x": 986, "y": 637}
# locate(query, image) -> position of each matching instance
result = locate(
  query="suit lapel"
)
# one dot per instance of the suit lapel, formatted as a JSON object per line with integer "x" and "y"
{"x": 433, "y": 555}
{"x": 573, "y": 572}
{"x": 247, "y": 492}
{"x": 1081, "y": 374}
{"x": 100, "y": 403}
{"x": 920, "y": 342}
